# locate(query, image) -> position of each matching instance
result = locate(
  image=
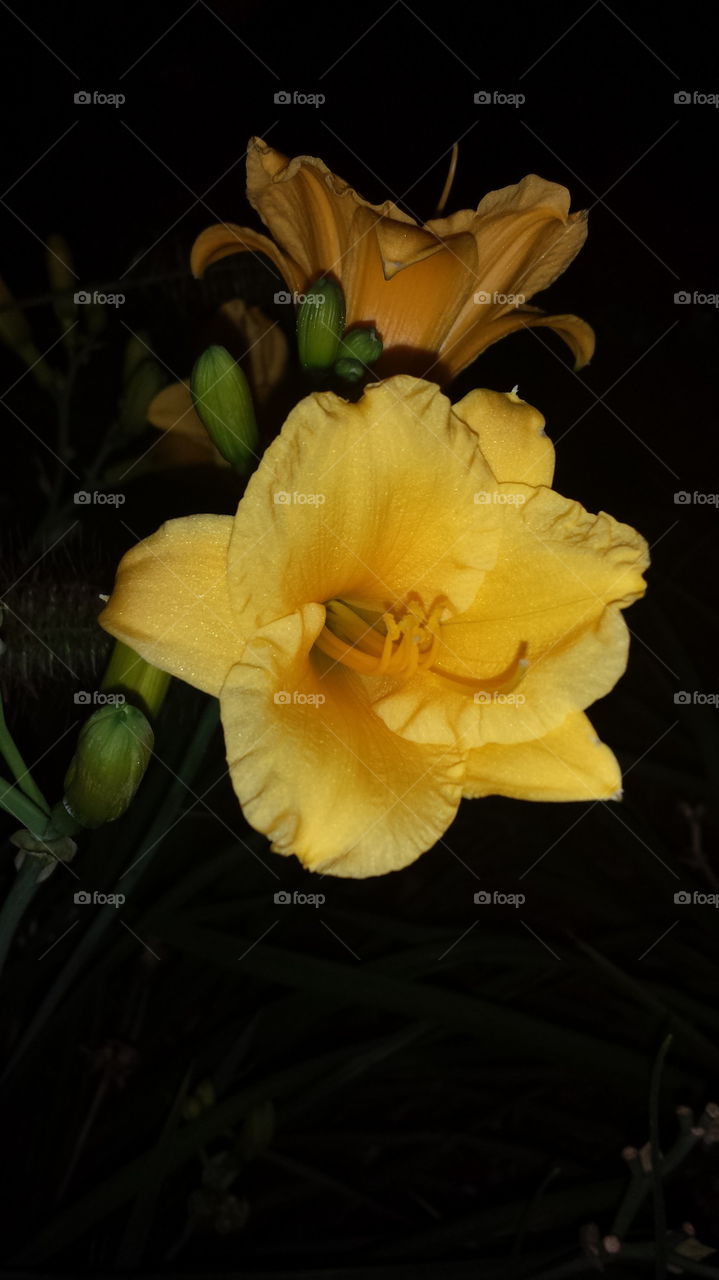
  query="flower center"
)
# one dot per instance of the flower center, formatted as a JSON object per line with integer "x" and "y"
{"x": 402, "y": 641}
{"x": 398, "y": 642}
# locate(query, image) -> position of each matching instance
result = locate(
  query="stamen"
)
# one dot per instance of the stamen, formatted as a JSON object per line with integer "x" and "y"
{"x": 401, "y": 642}
{"x": 502, "y": 683}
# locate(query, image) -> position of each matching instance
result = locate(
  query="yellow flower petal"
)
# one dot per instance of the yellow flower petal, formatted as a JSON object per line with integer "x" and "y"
{"x": 307, "y": 208}
{"x": 367, "y": 501}
{"x": 171, "y": 407}
{"x": 561, "y": 578}
{"x": 527, "y": 236}
{"x": 472, "y": 334}
{"x": 325, "y": 780}
{"x": 170, "y": 601}
{"x": 511, "y": 436}
{"x": 570, "y": 763}
{"x": 226, "y": 238}
{"x": 186, "y": 442}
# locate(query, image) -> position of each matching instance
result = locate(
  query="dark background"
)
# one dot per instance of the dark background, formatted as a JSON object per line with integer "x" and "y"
{"x": 512, "y": 1055}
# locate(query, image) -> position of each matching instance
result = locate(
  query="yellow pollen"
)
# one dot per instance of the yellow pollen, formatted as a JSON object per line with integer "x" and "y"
{"x": 400, "y": 642}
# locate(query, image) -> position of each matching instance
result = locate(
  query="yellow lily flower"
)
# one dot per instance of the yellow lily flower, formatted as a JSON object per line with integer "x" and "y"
{"x": 401, "y": 612}
{"x": 438, "y": 294}
{"x": 252, "y": 335}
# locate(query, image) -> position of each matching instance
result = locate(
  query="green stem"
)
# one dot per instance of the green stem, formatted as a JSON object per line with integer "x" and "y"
{"x": 23, "y": 808}
{"x": 17, "y": 901}
{"x": 164, "y": 820}
{"x": 17, "y": 765}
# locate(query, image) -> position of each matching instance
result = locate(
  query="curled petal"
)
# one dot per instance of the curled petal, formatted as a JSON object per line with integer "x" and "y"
{"x": 464, "y": 344}
{"x": 317, "y": 772}
{"x": 561, "y": 579}
{"x": 170, "y": 602}
{"x": 511, "y": 436}
{"x": 570, "y": 763}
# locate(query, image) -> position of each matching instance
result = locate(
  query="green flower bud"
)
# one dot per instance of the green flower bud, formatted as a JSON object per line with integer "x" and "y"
{"x": 223, "y": 400}
{"x": 320, "y": 321}
{"x": 110, "y": 759}
{"x": 364, "y": 345}
{"x": 349, "y": 370}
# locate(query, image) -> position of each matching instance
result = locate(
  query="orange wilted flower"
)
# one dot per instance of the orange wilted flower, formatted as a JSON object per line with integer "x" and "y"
{"x": 437, "y": 294}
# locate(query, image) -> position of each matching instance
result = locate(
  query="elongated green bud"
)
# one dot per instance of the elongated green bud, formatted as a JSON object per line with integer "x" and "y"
{"x": 110, "y": 759}
{"x": 364, "y": 345}
{"x": 223, "y": 400}
{"x": 320, "y": 321}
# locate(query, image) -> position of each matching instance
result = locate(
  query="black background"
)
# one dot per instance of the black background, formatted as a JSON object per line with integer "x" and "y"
{"x": 136, "y": 183}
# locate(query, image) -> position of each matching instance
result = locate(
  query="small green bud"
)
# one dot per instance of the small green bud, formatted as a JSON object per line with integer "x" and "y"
{"x": 110, "y": 759}
{"x": 223, "y": 400}
{"x": 349, "y": 370}
{"x": 364, "y": 345}
{"x": 320, "y": 321}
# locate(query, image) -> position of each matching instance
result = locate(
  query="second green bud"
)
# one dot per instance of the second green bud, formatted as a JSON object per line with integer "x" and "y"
{"x": 320, "y": 322}
{"x": 223, "y": 401}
